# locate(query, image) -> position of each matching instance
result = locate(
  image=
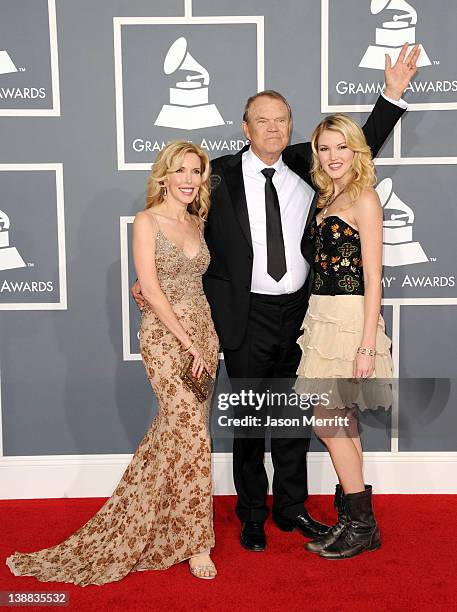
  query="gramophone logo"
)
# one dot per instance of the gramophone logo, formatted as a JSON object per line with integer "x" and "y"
{"x": 393, "y": 34}
{"x": 189, "y": 108}
{"x": 6, "y": 63}
{"x": 399, "y": 247}
{"x": 9, "y": 255}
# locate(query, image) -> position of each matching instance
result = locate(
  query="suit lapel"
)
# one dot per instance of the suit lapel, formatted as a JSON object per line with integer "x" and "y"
{"x": 298, "y": 165}
{"x": 235, "y": 185}
{"x": 312, "y": 209}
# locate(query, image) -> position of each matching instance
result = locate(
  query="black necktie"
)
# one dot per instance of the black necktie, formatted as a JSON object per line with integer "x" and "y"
{"x": 276, "y": 256}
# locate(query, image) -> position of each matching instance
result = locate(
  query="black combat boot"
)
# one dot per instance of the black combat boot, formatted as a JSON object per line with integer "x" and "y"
{"x": 361, "y": 532}
{"x": 320, "y": 543}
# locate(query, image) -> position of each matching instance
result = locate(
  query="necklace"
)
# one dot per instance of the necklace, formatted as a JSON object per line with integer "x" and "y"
{"x": 324, "y": 212}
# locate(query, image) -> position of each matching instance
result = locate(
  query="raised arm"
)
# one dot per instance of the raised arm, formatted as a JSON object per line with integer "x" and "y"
{"x": 386, "y": 112}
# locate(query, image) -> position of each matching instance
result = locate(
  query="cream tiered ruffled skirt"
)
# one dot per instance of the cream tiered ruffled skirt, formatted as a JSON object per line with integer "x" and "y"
{"x": 332, "y": 332}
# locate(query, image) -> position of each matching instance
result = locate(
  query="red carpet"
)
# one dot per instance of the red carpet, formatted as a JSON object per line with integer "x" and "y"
{"x": 416, "y": 568}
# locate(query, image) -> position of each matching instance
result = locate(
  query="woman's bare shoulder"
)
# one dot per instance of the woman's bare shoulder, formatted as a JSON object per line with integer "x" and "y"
{"x": 367, "y": 200}
{"x": 144, "y": 221}
{"x": 144, "y": 216}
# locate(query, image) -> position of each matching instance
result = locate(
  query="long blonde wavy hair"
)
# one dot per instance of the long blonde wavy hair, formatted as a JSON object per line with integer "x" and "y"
{"x": 363, "y": 170}
{"x": 169, "y": 160}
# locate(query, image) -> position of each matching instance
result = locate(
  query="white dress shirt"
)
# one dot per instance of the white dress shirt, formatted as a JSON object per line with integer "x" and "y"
{"x": 295, "y": 197}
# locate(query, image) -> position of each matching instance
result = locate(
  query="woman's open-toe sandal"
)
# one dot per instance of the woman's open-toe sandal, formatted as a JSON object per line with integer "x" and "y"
{"x": 207, "y": 571}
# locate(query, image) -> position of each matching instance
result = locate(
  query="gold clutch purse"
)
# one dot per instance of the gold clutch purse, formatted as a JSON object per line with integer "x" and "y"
{"x": 200, "y": 386}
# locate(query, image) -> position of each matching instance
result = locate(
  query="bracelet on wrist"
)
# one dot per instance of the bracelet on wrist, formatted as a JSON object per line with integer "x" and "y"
{"x": 364, "y": 350}
{"x": 188, "y": 349}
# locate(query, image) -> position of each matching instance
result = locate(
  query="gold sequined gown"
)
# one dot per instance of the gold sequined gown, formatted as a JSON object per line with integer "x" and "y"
{"x": 161, "y": 511}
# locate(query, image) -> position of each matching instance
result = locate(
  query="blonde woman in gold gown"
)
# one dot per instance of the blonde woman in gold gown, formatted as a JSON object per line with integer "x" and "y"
{"x": 161, "y": 511}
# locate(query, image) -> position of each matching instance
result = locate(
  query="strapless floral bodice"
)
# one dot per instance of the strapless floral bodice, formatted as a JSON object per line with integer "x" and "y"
{"x": 338, "y": 268}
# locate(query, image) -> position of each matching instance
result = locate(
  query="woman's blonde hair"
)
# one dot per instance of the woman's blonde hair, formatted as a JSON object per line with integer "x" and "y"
{"x": 363, "y": 171}
{"x": 169, "y": 160}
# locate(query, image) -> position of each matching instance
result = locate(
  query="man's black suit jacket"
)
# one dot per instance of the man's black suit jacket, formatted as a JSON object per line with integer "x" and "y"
{"x": 227, "y": 282}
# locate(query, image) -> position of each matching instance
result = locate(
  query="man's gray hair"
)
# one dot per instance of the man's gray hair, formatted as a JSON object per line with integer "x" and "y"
{"x": 268, "y": 93}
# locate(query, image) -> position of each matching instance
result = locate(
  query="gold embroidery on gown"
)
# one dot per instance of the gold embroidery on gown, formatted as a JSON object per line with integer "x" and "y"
{"x": 161, "y": 511}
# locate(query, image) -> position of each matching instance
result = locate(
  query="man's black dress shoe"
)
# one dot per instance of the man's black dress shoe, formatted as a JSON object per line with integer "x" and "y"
{"x": 304, "y": 522}
{"x": 253, "y": 536}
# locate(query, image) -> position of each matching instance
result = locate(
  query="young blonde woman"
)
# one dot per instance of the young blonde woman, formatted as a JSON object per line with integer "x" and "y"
{"x": 344, "y": 336}
{"x": 161, "y": 511}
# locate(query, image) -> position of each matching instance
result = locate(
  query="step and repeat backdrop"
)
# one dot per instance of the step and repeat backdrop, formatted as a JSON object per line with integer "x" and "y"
{"x": 90, "y": 92}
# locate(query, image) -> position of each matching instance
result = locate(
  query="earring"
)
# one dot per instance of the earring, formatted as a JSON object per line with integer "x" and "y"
{"x": 164, "y": 191}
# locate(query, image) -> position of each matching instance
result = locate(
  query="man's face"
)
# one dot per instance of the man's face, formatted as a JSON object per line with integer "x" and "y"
{"x": 268, "y": 127}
